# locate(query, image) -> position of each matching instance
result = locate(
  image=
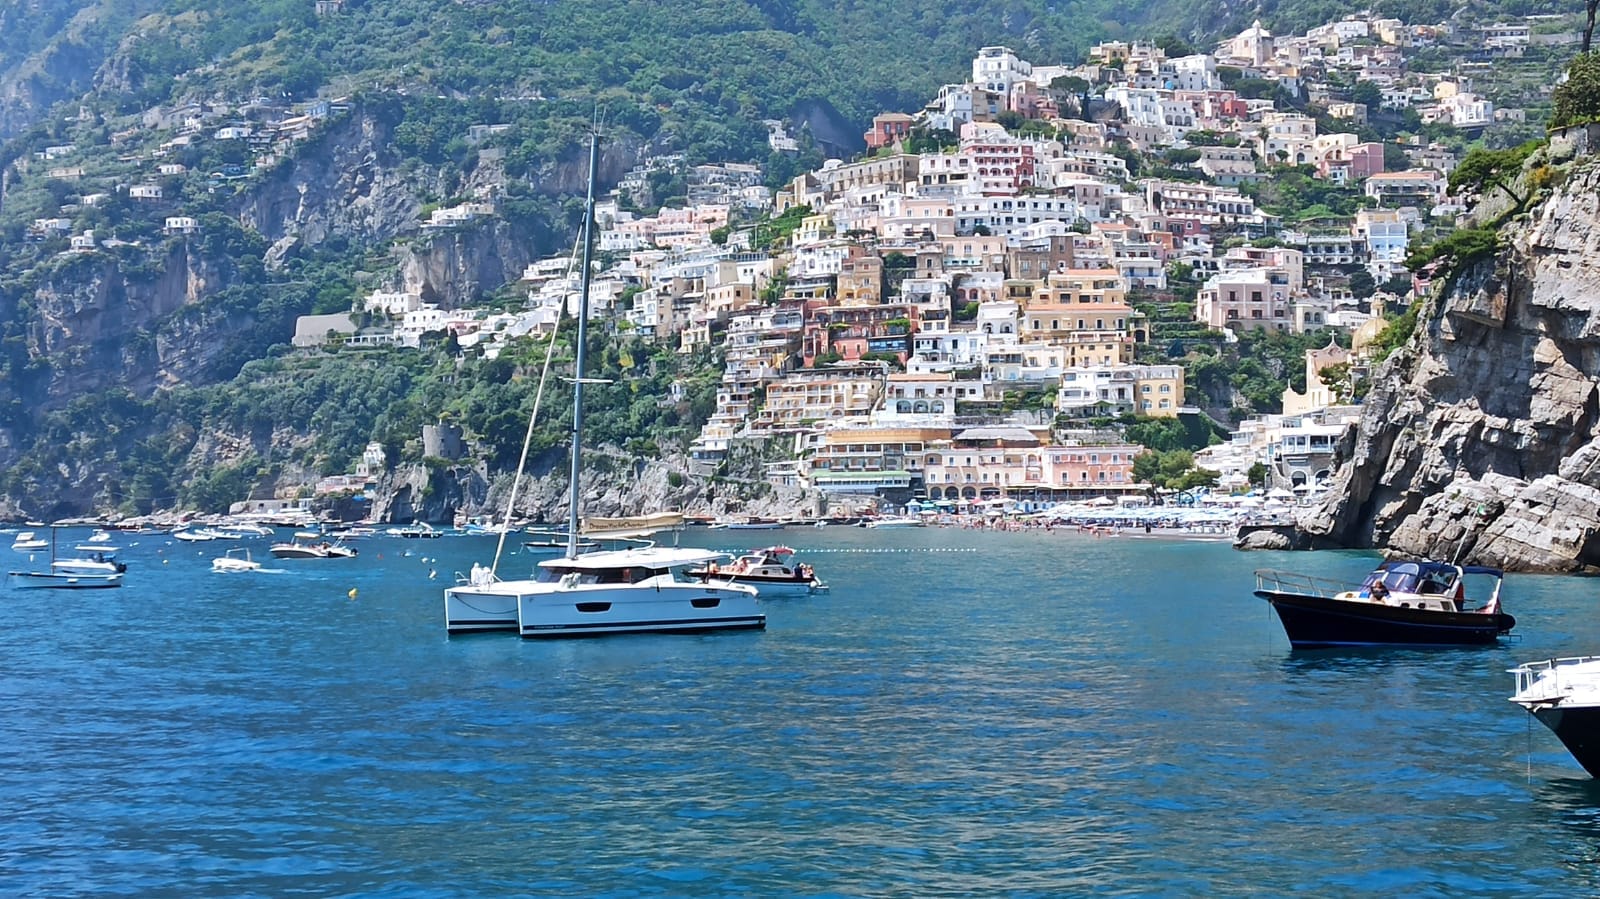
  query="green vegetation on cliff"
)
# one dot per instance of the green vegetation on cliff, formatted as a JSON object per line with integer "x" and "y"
{"x": 206, "y": 447}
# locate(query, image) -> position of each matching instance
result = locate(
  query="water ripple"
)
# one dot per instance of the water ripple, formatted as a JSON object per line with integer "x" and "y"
{"x": 1050, "y": 715}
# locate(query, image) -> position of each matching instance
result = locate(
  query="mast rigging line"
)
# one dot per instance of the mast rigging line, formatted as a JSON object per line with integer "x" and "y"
{"x": 581, "y": 247}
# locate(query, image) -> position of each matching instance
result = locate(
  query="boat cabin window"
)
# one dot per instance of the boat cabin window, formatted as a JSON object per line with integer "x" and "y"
{"x": 628, "y": 575}
{"x": 1409, "y": 578}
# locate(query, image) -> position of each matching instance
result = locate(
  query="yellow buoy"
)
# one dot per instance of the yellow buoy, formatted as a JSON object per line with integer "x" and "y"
{"x": 352, "y": 593}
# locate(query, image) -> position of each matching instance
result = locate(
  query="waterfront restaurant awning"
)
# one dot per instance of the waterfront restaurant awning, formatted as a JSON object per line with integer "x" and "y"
{"x": 860, "y": 481}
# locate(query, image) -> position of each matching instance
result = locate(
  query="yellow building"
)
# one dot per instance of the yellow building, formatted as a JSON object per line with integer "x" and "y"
{"x": 1158, "y": 390}
{"x": 801, "y": 399}
{"x": 1090, "y": 286}
{"x": 850, "y": 459}
{"x": 861, "y": 281}
{"x": 1317, "y": 395}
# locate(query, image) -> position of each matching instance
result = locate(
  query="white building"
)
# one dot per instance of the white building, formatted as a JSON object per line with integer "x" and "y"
{"x": 181, "y": 224}
{"x": 1386, "y": 234}
{"x": 997, "y": 69}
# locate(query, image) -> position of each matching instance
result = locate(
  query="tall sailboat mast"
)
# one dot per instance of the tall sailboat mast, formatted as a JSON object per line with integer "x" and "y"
{"x": 573, "y": 512}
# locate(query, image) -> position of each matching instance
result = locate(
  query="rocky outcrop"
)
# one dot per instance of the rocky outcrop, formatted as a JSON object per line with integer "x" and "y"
{"x": 1482, "y": 440}
{"x": 615, "y": 485}
{"x": 96, "y": 316}
{"x": 455, "y": 267}
{"x": 346, "y": 182}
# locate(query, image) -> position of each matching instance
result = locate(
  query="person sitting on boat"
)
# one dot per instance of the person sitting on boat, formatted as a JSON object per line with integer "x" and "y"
{"x": 1378, "y": 592}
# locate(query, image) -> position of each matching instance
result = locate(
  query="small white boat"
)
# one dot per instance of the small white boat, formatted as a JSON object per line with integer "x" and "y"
{"x": 769, "y": 570}
{"x": 554, "y": 542}
{"x": 305, "y": 546}
{"x": 71, "y": 574}
{"x": 106, "y": 548}
{"x": 897, "y": 522}
{"x": 235, "y": 560}
{"x": 195, "y": 536}
{"x": 420, "y": 529}
{"x": 63, "y": 580}
{"x": 95, "y": 563}
{"x": 27, "y": 542}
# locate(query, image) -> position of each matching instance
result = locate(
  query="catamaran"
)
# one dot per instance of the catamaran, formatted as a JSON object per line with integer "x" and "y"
{"x": 606, "y": 592}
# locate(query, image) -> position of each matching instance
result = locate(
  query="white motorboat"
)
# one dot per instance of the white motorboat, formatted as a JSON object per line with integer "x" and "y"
{"x": 311, "y": 546}
{"x": 66, "y": 573}
{"x": 420, "y": 529}
{"x": 94, "y": 563}
{"x": 606, "y": 592}
{"x": 1564, "y": 694}
{"x": 201, "y": 535}
{"x": 234, "y": 561}
{"x": 554, "y": 543}
{"x": 92, "y": 547}
{"x": 897, "y": 522}
{"x": 59, "y": 580}
{"x": 27, "y": 542}
{"x": 769, "y": 570}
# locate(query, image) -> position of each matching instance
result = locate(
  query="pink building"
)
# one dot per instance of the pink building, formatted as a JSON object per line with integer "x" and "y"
{"x": 888, "y": 128}
{"x": 1000, "y": 167}
{"x": 1349, "y": 165}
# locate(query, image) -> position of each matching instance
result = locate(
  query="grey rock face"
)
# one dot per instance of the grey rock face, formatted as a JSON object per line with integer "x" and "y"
{"x": 1483, "y": 441}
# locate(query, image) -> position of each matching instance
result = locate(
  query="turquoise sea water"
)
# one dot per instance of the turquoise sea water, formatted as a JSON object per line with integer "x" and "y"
{"x": 1036, "y": 715}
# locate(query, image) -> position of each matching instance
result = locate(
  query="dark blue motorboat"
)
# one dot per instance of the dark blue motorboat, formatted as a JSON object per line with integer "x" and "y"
{"x": 1401, "y": 603}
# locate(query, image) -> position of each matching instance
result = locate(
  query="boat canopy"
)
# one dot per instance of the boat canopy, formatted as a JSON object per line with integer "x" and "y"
{"x": 1415, "y": 576}
{"x": 636, "y": 526}
{"x": 654, "y": 558}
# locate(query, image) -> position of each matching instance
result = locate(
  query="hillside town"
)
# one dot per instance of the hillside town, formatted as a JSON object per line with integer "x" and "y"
{"x": 953, "y": 314}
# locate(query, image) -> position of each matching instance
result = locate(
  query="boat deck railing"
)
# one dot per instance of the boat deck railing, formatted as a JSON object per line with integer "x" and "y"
{"x": 1554, "y": 678}
{"x": 1271, "y": 580}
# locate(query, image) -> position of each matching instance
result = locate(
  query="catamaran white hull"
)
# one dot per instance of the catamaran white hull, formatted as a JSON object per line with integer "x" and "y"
{"x": 25, "y": 580}
{"x": 469, "y": 609}
{"x": 584, "y": 610}
{"x": 554, "y": 612}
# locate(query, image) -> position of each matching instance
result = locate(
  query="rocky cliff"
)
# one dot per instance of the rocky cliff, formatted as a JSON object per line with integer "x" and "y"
{"x": 1482, "y": 440}
{"x": 455, "y": 267}
{"x": 615, "y": 485}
